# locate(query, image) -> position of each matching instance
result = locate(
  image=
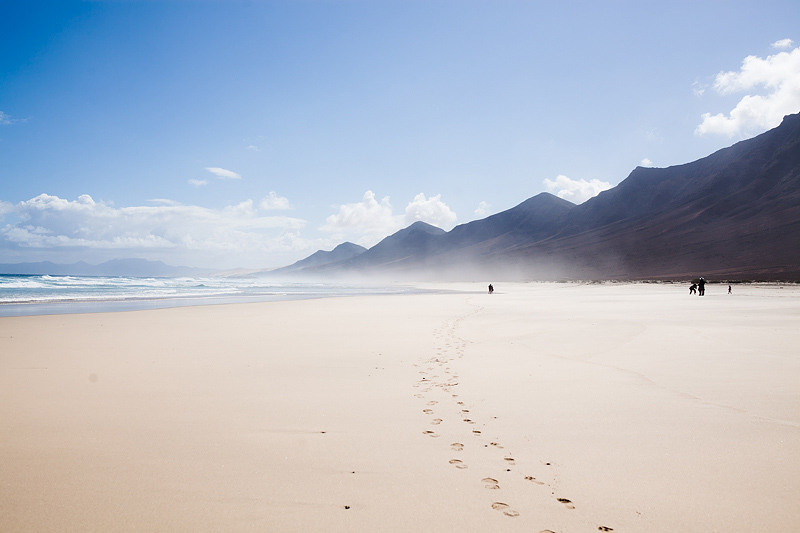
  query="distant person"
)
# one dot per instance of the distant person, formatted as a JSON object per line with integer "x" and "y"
{"x": 693, "y": 288}
{"x": 701, "y": 286}
{"x": 729, "y": 289}
{"x": 491, "y": 289}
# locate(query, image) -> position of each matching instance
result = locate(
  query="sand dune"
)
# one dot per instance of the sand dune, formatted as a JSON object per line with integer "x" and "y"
{"x": 543, "y": 407}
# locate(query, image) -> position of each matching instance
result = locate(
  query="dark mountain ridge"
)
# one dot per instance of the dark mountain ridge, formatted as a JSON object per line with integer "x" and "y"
{"x": 734, "y": 213}
{"x": 134, "y": 267}
{"x": 343, "y": 252}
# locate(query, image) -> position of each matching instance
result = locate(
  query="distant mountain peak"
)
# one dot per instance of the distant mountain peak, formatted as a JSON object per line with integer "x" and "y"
{"x": 424, "y": 226}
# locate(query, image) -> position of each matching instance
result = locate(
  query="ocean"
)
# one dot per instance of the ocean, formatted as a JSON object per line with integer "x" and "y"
{"x": 22, "y": 295}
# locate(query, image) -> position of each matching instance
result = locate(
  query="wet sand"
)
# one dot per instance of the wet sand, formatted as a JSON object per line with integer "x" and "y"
{"x": 543, "y": 407}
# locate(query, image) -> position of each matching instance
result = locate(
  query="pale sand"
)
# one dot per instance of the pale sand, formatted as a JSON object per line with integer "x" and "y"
{"x": 647, "y": 409}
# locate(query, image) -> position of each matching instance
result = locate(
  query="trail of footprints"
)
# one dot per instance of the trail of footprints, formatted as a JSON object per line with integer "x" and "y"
{"x": 439, "y": 378}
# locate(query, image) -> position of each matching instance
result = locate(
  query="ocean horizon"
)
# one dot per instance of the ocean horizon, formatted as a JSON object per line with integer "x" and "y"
{"x": 28, "y": 294}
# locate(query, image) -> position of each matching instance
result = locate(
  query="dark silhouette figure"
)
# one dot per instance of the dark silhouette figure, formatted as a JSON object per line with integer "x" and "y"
{"x": 701, "y": 287}
{"x": 491, "y": 289}
{"x": 729, "y": 289}
{"x": 693, "y": 288}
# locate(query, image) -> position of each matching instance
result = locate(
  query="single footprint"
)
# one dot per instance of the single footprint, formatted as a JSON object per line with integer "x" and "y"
{"x": 495, "y": 444}
{"x": 465, "y": 410}
{"x": 500, "y": 506}
{"x": 509, "y": 460}
{"x": 427, "y": 411}
{"x": 436, "y": 421}
{"x": 458, "y": 463}
{"x": 567, "y": 503}
{"x": 531, "y": 478}
{"x": 457, "y": 446}
{"x": 490, "y": 483}
{"x": 468, "y": 421}
{"x": 476, "y": 432}
{"x": 604, "y": 528}
{"x": 432, "y": 402}
{"x": 430, "y": 433}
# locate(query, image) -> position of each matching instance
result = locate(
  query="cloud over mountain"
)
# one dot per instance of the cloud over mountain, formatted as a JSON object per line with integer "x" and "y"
{"x": 576, "y": 191}
{"x": 773, "y": 87}
{"x": 370, "y": 220}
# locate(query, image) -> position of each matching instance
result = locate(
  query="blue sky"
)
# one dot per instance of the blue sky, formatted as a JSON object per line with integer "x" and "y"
{"x": 251, "y": 134}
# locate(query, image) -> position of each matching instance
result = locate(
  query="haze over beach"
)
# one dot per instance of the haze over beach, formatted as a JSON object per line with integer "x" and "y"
{"x": 399, "y": 266}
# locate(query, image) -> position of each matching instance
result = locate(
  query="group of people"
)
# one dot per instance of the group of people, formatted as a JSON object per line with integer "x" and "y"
{"x": 699, "y": 287}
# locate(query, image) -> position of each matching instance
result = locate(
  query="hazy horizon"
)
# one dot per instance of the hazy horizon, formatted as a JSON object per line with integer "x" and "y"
{"x": 251, "y": 135}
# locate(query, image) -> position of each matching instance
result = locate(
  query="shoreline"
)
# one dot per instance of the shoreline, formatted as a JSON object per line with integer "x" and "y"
{"x": 544, "y": 406}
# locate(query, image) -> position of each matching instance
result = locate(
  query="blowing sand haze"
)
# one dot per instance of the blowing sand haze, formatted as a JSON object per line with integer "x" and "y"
{"x": 545, "y": 407}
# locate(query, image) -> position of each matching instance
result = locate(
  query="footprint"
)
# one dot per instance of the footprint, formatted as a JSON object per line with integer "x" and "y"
{"x": 476, "y": 432}
{"x": 465, "y": 410}
{"x": 432, "y": 402}
{"x": 457, "y": 446}
{"x": 509, "y": 460}
{"x": 531, "y": 478}
{"x": 567, "y": 503}
{"x": 458, "y": 463}
{"x": 428, "y": 411}
{"x": 604, "y": 528}
{"x": 500, "y": 506}
{"x": 468, "y": 421}
{"x": 490, "y": 483}
{"x": 436, "y": 421}
{"x": 430, "y": 433}
{"x": 495, "y": 444}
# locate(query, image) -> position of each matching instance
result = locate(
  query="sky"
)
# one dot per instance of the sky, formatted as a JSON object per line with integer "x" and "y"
{"x": 249, "y": 134}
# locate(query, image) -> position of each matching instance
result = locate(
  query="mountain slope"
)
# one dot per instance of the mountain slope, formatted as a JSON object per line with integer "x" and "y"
{"x": 343, "y": 252}
{"x": 734, "y": 214}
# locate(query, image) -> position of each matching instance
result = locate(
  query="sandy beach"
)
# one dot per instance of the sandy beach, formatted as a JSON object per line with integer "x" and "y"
{"x": 543, "y": 407}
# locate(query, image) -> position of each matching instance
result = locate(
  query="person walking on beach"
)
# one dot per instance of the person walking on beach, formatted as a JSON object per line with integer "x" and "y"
{"x": 729, "y": 289}
{"x": 693, "y": 288}
{"x": 491, "y": 289}
{"x": 701, "y": 287}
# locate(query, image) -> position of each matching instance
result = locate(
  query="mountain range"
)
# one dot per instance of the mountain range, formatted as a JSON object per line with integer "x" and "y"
{"x": 732, "y": 215}
{"x": 116, "y": 267}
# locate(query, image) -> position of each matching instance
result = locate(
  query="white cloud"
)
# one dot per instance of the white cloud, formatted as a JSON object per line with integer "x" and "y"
{"x": 482, "y": 210}
{"x": 273, "y": 202}
{"x": 253, "y": 148}
{"x": 366, "y": 216}
{"x": 224, "y": 174}
{"x": 777, "y": 78}
{"x": 699, "y": 89}
{"x": 47, "y": 222}
{"x": 646, "y": 162}
{"x": 576, "y": 191}
{"x": 368, "y": 221}
{"x": 783, "y": 43}
{"x": 6, "y": 120}
{"x": 198, "y": 183}
{"x": 163, "y": 201}
{"x": 431, "y": 210}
